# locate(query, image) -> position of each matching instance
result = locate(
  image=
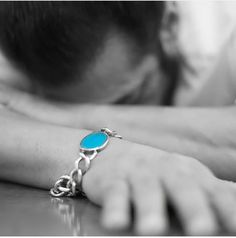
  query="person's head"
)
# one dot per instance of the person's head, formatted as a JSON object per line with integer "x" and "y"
{"x": 82, "y": 51}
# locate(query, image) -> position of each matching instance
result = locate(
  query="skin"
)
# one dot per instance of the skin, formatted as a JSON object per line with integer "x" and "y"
{"x": 148, "y": 176}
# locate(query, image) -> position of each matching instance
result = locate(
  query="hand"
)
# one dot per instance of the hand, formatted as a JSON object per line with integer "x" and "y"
{"x": 126, "y": 173}
{"x": 58, "y": 113}
{"x": 41, "y": 109}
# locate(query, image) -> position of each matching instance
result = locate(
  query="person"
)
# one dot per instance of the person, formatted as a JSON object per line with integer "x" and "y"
{"x": 77, "y": 66}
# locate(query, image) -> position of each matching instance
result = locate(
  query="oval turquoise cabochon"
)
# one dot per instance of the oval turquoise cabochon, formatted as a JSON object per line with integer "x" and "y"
{"x": 94, "y": 140}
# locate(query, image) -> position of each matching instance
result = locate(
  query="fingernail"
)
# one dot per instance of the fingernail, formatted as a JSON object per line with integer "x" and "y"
{"x": 152, "y": 225}
{"x": 116, "y": 222}
{"x": 201, "y": 227}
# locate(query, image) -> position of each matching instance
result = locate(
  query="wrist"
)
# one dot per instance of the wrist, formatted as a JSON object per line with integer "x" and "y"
{"x": 35, "y": 153}
{"x": 93, "y": 143}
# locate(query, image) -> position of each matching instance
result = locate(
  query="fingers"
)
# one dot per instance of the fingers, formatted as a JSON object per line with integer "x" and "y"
{"x": 20, "y": 101}
{"x": 116, "y": 206}
{"x": 12, "y": 97}
{"x": 223, "y": 199}
{"x": 192, "y": 207}
{"x": 32, "y": 106}
{"x": 149, "y": 204}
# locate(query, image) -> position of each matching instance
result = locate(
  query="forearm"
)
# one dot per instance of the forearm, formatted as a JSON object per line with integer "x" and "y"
{"x": 35, "y": 153}
{"x": 208, "y": 134}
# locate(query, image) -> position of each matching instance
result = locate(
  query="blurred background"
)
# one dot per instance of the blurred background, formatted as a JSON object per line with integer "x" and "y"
{"x": 200, "y": 33}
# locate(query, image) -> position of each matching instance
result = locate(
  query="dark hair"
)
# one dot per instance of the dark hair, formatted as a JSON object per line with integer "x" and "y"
{"x": 53, "y": 41}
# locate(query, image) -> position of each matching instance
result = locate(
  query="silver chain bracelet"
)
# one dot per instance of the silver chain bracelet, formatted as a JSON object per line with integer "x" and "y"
{"x": 90, "y": 145}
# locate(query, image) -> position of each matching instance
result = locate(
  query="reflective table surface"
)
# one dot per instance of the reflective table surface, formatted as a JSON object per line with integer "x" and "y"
{"x": 29, "y": 211}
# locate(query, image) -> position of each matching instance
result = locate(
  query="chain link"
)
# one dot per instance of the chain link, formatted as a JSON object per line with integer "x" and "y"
{"x": 70, "y": 185}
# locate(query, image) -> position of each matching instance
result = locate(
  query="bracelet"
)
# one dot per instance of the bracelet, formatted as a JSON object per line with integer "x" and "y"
{"x": 90, "y": 145}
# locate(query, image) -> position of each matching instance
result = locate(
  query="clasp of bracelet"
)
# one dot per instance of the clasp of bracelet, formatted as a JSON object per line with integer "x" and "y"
{"x": 111, "y": 133}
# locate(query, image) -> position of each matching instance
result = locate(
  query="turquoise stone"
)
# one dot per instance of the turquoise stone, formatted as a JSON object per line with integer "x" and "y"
{"x": 94, "y": 140}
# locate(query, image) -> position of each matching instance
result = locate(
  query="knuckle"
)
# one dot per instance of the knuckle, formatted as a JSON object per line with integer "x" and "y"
{"x": 141, "y": 176}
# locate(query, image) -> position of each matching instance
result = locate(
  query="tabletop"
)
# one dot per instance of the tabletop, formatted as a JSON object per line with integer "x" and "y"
{"x": 29, "y": 211}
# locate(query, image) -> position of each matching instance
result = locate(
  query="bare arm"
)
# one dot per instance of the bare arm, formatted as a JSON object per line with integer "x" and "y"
{"x": 37, "y": 154}
{"x": 208, "y": 134}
